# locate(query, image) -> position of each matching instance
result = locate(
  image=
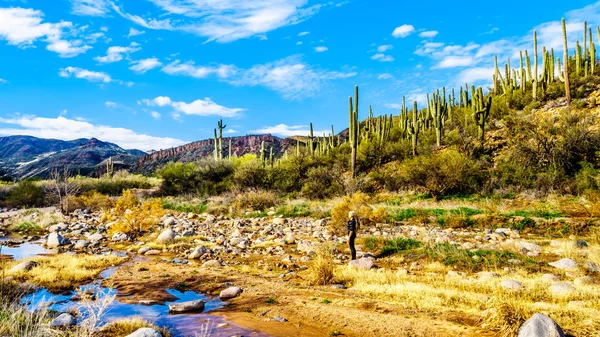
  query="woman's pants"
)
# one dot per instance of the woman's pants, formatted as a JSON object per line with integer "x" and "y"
{"x": 351, "y": 244}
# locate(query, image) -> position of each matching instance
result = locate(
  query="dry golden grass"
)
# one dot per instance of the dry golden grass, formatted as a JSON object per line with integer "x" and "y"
{"x": 125, "y": 327}
{"x": 321, "y": 269}
{"x": 65, "y": 271}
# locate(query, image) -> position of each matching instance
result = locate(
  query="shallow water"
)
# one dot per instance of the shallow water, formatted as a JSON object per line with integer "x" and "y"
{"x": 24, "y": 250}
{"x": 182, "y": 325}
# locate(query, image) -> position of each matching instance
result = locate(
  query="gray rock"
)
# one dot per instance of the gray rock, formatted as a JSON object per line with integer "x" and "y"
{"x": 144, "y": 250}
{"x": 198, "y": 252}
{"x": 564, "y": 264}
{"x": 306, "y": 246}
{"x": 592, "y": 267}
{"x": 540, "y": 326}
{"x": 487, "y": 275}
{"x": 529, "y": 248}
{"x": 511, "y": 285}
{"x": 231, "y": 292}
{"x": 211, "y": 264}
{"x": 584, "y": 280}
{"x": 580, "y": 244}
{"x": 190, "y": 306}
{"x": 278, "y": 221}
{"x": 23, "y": 266}
{"x": 63, "y": 320}
{"x": 166, "y": 236}
{"x": 96, "y": 237}
{"x": 561, "y": 289}
{"x": 118, "y": 237}
{"x": 363, "y": 263}
{"x": 145, "y": 332}
{"x": 152, "y": 252}
{"x": 550, "y": 278}
{"x": 81, "y": 244}
{"x": 170, "y": 222}
{"x": 280, "y": 319}
{"x": 56, "y": 240}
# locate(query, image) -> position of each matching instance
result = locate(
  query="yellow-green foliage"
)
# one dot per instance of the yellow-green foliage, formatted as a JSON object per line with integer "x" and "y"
{"x": 139, "y": 219}
{"x": 256, "y": 200}
{"x": 321, "y": 268}
{"x": 125, "y": 327}
{"x": 93, "y": 200}
{"x": 360, "y": 204}
{"x": 65, "y": 271}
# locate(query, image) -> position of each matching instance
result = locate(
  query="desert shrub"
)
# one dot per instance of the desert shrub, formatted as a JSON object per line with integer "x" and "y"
{"x": 178, "y": 178}
{"x": 442, "y": 173}
{"x": 127, "y": 326}
{"x": 321, "y": 269}
{"x": 213, "y": 176}
{"x": 251, "y": 174}
{"x": 92, "y": 200}
{"x": 322, "y": 182}
{"x": 399, "y": 245}
{"x": 586, "y": 179}
{"x": 115, "y": 185}
{"x": 184, "y": 206}
{"x": 139, "y": 219}
{"x": 256, "y": 200}
{"x": 126, "y": 201}
{"x": 371, "y": 243}
{"x": 26, "y": 194}
{"x": 359, "y": 203}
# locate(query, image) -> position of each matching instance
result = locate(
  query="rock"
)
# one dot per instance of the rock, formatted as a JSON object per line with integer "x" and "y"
{"x": 338, "y": 286}
{"x": 211, "y": 264}
{"x": 487, "y": 274}
{"x": 170, "y": 222}
{"x": 23, "y": 266}
{"x": 278, "y": 221}
{"x": 305, "y": 246}
{"x": 145, "y": 332}
{"x": 584, "y": 280}
{"x": 363, "y": 263}
{"x": 166, "y": 236}
{"x": 564, "y": 264}
{"x": 592, "y": 267}
{"x": 56, "y": 240}
{"x": 231, "y": 292}
{"x": 190, "y": 306}
{"x": 81, "y": 244}
{"x": 63, "y": 320}
{"x": 550, "y": 278}
{"x": 144, "y": 250}
{"x": 528, "y": 248}
{"x": 198, "y": 252}
{"x": 511, "y": 285}
{"x": 222, "y": 326}
{"x": 96, "y": 237}
{"x": 540, "y": 326}
{"x": 580, "y": 244}
{"x": 290, "y": 240}
{"x": 153, "y": 252}
{"x": 561, "y": 289}
{"x": 416, "y": 266}
{"x": 118, "y": 237}
{"x": 280, "y": 319}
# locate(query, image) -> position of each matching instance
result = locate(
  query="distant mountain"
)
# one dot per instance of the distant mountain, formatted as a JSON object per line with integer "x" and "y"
{"x": 26, "y": 156}
{"x": 194, "y": 151}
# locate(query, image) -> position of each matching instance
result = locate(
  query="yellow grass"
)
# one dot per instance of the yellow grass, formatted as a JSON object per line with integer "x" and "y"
{"x": 125, "y": 327}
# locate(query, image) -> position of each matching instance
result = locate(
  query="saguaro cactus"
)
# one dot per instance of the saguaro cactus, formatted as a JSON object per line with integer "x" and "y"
{"x": 414, "y": 128}
{"x": 535, "y": 65}
{"x": 353, "y": 129}
{"x": 481, "y": 112}
{"x": 566, "y": 59}
{"x": 221, "y": 127}
{"x": 110, "y": 169}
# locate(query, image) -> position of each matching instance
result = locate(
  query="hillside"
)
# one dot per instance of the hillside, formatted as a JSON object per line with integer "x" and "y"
{"x": 25, "y": 156}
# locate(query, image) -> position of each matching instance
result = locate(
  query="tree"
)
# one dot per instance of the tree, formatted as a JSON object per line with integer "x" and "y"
{"x": 63, "y": 187}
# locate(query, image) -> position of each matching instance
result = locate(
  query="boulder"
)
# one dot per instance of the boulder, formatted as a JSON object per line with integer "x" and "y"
{"x": 211, "y": 264}
{"x": 584, "y": 280}
{"x": 306, "y": 246}
{"x": 189, "y": 306}
{"x": 96, "y": 237}
{"x": 580, "y": 244}
{"x": 23, "y": 266}
{"x": 550, "y": 278}
{"x": 170, "y": 222}
{"x": 166, "y": 236}
{"x": 592, "y": 267}
{"x": 144, "y": 250}
{"x": 564, "y": 264}
{"x": 198, "y": 252}
{"x": 540, "y": 326}
{"x": 81, "y": 244}
{"x": 145, "y": 332}
{"x": 511, "y": 285}
{"x": 63, "y": 320}
{"x": 363, "y": 263}
{"x": 279, "y": 221}
{"x": 561, "y": 289}
{"x": 118, "y": 237}
{"x": 56, "y": 240}
{"x": 153, "y": 252}
{"x": 528, "y": 248}
{"x": 230, "y": 292}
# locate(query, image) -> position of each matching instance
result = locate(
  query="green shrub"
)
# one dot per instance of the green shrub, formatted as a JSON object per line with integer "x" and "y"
{"x": 322, "y": 182}
{"x": 178, "y": 178}
{"x": 256, "y": 200}
{"x": 26, "y": 194}
{"x": 399, "y": 245}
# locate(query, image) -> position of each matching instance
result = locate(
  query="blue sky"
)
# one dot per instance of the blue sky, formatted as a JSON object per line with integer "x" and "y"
{"x": 151, "y": 74}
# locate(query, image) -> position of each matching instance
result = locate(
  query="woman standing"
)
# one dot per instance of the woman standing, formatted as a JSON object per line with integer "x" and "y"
{"x": 352, "y": 226}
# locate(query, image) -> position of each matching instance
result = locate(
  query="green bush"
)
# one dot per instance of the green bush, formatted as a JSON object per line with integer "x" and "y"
{"x": 256, "y": 200}
{"x": 26, "y": 194}
{"x": 178, "y": 178}
{"x": 399, "y": 245}
{"x": 322, "y": 182}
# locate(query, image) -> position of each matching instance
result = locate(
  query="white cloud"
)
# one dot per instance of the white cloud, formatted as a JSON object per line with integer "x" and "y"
{"x": 91, "y": 76}
{"x": 142, "y": 66}
{"x": 155, "y": 115}
{"x": 3, "y": 80}
{"x": 199, "y": 107}
{"x": 69, "y": 129}
{"x": 110, "y": 104}
{"x": 429, "y": 34}
{"x": 303, "y": 33}
{"x": 134, "y": 32}
{"x": 22, "y": 27}
{"x": 382, "y": 57}
{"x": 190, "y": 69}
{"x": 455, "y": 61}
{"x": 227, "y": 20}
{"x": 474, "y": 75}
{"x": 385, "y": 76}
{"x": 117, "y": 53}
{"x": 298, "y": 43}
{"x": 384, "y": 48}
{"x": 403, "y": 31}
{"x": 231, "y": 131}
{"x": 321, "y": 49}
{"x": 289, "y": 130}
{"x": 290, "y": 77}
{"x": 89, "y": 7}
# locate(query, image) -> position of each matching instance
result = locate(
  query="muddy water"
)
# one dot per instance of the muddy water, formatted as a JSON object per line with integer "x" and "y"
{"x": 182, "y": 325}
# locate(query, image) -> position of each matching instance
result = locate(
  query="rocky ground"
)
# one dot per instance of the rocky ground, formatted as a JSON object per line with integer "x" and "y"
{"x": 267, "y": 260}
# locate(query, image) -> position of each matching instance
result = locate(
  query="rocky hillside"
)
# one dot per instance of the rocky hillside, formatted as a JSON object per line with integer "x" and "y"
{"x": 193, "y": 151}
{"x": 25, "y": 156}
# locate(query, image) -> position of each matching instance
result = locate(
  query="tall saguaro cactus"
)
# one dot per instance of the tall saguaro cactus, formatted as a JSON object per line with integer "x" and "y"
{"x": 221, "y": 127}
{"x": 535, "y": 65}
{"x": 566, "y": 59}
{"x": 353, "y": 129}
{"x": 481, "y": 112}
{"x": 110, "y": 169}
{"x": 414, "y": 128}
